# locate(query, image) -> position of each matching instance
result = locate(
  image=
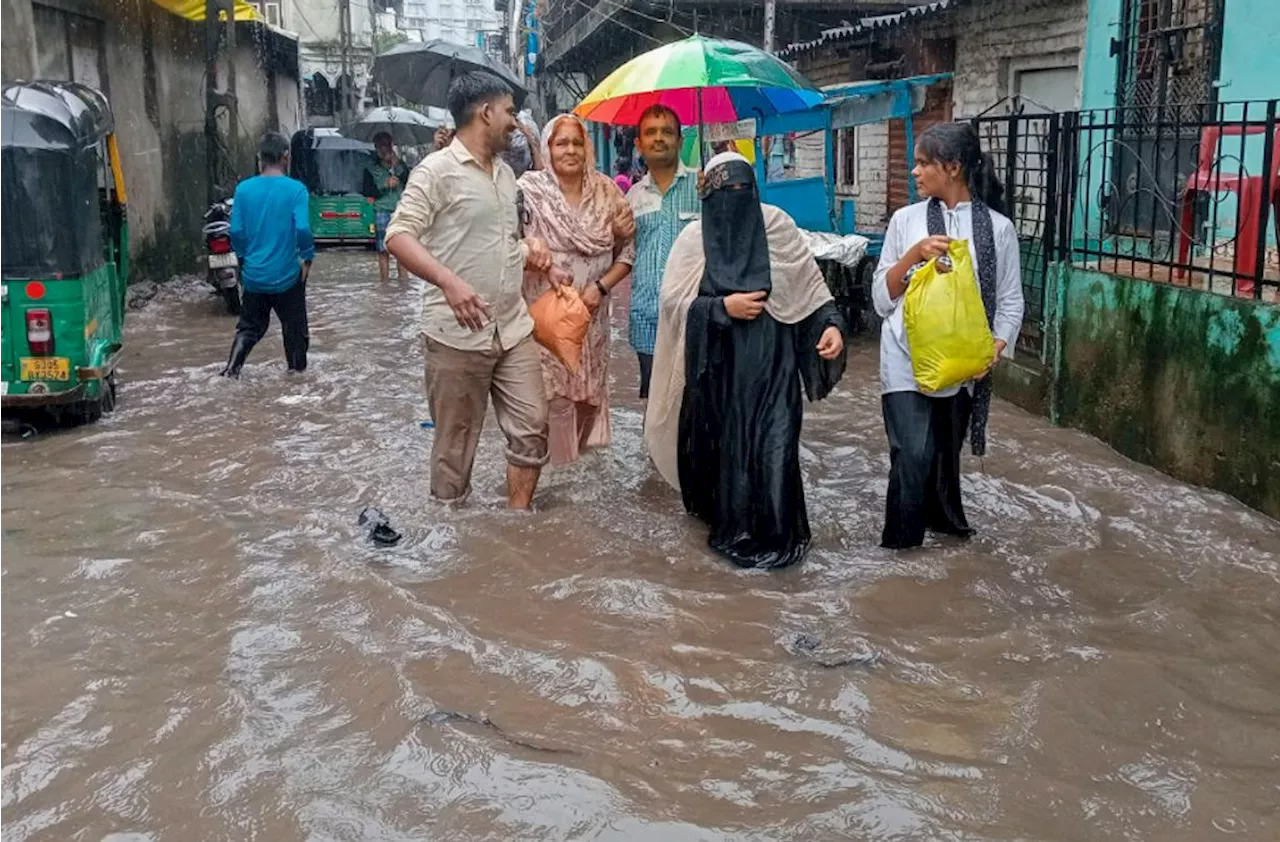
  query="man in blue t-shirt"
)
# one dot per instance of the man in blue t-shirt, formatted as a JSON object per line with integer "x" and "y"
{"x": 271, "y": 232}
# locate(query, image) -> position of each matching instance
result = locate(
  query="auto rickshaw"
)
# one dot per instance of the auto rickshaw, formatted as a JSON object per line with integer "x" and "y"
{"x": 332, "y": 167}
{"x": 65, "y": 258}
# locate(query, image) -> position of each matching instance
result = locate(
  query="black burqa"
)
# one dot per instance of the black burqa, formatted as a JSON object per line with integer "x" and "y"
{"x": 740, "y": 414}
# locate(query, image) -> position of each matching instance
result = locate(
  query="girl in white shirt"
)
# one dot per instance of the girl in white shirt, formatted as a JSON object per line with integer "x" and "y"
{"x": 927, "y": 429}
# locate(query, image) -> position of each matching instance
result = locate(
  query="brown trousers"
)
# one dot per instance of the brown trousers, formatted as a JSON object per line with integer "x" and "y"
{"x": 459, "y": 385}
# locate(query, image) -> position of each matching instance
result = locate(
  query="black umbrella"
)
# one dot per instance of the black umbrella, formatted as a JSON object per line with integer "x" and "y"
{"x": 421, "y": 72}
{"x": 406, "y": 127}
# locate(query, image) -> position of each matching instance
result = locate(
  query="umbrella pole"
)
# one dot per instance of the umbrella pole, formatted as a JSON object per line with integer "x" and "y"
{"x": 701, "y": 136}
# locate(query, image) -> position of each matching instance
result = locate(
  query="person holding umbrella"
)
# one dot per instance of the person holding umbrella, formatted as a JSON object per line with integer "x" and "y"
{"x": 384, "y": 179}
{"x": 663, "y": 202}
{"x": 694, "y": 81}
{"x": 457, "y": 227}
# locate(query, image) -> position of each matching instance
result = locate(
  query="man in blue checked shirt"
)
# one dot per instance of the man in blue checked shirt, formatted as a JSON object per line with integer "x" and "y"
{"x": 663, "y": 201}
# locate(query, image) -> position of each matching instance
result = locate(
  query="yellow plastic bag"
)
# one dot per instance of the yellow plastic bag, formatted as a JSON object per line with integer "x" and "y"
{"x": 946, "y": 323}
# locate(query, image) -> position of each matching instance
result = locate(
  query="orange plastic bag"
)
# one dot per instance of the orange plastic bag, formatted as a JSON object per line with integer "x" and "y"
{"x": 560, "y": 322}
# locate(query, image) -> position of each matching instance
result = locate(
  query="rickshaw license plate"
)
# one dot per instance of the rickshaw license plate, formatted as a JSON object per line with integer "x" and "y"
{"x": 223, "y": 261}
{"x": 46, "y": 368}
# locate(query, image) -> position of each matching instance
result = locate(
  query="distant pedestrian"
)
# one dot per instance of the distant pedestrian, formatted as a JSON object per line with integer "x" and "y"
{"x": 384, "y": 179}
{"x": 623, "y": 178}
{"x": 271, "y": 232}
{"x": 775, "y": 156}
{"x": 457, "y": 227}
{"x": 524, "y": 154}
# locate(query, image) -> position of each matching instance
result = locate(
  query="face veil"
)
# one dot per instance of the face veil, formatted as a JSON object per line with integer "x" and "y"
{"x": 734, "y": 240}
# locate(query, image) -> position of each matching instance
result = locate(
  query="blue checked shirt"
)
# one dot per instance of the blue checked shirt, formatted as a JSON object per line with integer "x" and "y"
{"x": 659, "y": 220}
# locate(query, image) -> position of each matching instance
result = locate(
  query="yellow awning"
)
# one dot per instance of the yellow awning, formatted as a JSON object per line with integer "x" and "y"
{"x": 194, "y": 9}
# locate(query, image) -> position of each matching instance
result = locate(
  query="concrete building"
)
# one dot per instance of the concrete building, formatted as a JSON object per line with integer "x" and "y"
{"x": 151, "y": 65}
{"x": 584, "y": 40}
{"x": 1004, "y": 54}
{"x": 325, "y": 79}
{"x": 458, "y": 21}
{"x": 1177, "y": 67}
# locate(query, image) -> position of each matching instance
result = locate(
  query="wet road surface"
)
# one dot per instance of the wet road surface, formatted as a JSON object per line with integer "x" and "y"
{"x": 200, "y": 643}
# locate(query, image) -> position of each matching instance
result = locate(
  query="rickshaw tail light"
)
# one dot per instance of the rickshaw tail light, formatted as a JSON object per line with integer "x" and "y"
{"x": 220, "y": 245}
{"x": 40, "y": 332}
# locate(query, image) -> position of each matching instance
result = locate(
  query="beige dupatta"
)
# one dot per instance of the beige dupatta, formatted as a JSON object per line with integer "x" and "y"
{"x": 798, "y": 291}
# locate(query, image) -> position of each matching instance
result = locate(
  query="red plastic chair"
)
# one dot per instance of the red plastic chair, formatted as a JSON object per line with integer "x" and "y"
{"x": 1208, "y": 180}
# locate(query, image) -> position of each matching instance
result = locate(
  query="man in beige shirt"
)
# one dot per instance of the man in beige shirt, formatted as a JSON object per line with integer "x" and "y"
{"x": 457, "y": 227}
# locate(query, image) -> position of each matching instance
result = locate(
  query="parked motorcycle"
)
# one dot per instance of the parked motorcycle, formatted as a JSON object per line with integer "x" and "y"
{"x": 224, "y": 266}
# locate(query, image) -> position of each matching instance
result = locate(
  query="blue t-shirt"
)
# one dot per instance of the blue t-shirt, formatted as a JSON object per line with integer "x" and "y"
{"x": 271, "y": 231}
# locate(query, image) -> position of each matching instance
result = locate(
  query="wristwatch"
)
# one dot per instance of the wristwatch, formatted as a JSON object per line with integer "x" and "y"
{"x": 601, "y": 287}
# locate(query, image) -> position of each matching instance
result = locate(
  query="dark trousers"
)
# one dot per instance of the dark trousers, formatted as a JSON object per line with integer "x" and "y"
{"x": 925, "y": 438}
{"x": 290, "y": 307}
{"x": 646, "y": 373}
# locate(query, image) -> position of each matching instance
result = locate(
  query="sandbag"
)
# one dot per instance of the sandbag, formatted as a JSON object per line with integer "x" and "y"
{"x": 560, "y": 322}
{"x": 947, "y": 331}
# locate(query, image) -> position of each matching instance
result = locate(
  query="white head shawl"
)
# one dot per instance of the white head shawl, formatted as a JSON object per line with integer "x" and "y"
{"x": 722, "y": 158}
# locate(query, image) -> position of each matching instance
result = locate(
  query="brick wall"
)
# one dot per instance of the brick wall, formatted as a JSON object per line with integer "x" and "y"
{"x": 830, "y": 66}
{"x": 997, "y": 38}
{"x": 869, "y": 195}
{"x": 993, "y": 41}
{"x": 811, "y": 155}
{"x": 872, "y": 192}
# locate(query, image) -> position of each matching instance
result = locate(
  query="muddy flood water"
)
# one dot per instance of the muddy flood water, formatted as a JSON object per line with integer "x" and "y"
{"x": 200, "y": 643}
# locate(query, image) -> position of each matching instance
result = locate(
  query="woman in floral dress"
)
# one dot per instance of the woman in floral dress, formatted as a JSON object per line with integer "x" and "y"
{"x": 586, "y": 222}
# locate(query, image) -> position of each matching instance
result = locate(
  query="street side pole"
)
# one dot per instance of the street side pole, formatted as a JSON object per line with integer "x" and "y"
{"x": 230, "y": 101}
{"x": 212, "y": 37}
{"x": 515, "y": 48}
{"x": 219, "y": 49}
{"x": 770, "y": 17}
{"x": 344, "y": 44}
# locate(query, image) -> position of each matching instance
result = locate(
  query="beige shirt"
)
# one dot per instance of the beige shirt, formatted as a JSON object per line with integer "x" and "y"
{"x": 467, "y": 219}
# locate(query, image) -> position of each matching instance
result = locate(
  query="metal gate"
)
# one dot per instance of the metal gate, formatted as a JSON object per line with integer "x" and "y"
{"x": 1025, "y": 150}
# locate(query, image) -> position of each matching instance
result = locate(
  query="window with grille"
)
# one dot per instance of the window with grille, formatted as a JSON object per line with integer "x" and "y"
{"x": 1167, "y": 56}
{"x": 847, "y": 160}
{"x": 1167, "y": 59}
{"x": 69, "y": 47}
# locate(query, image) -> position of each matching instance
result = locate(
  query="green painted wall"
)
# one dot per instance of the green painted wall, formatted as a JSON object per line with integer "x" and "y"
{"x": 1186, "y": 381}
{"x": 1250, "y": 65}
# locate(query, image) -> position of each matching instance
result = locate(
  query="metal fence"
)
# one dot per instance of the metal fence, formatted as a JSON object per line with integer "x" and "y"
{"x": 1188, "y": 195}
{"x": 1026, "y": 152}
{"x": 1184, "y": 195}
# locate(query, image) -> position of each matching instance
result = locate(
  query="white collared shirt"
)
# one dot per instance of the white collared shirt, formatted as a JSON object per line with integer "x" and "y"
{"x": 908, "y": 227}
{"x": 466, "y": 217}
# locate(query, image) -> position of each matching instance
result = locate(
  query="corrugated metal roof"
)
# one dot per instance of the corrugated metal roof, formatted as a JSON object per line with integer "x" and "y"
{"x": 868, "y": 24}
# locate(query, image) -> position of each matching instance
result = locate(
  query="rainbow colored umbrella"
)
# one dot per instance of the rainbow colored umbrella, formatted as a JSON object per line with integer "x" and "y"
{"x": 704, "y": 80}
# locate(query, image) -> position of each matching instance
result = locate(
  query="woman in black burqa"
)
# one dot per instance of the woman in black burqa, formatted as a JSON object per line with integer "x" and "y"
{"x": 745, "y": 318}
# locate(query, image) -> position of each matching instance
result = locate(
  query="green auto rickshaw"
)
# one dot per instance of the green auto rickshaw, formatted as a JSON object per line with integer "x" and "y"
{"x": 65, "y": 257}
{"x": 332, "y": 167}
